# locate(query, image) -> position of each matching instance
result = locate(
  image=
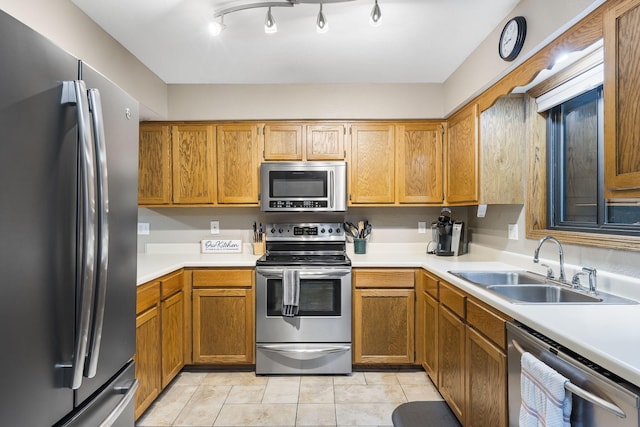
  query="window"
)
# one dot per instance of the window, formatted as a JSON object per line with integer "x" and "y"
{"x": 575, "y": 173}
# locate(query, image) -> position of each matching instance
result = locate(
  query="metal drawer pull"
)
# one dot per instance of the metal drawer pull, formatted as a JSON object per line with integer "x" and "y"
{"x": 586, "y": 395}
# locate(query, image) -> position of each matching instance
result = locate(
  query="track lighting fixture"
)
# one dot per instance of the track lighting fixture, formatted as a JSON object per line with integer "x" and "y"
{"x": 322, "y": 26}
{"x": 270, "y": 27}
{"x": 376, "y": 15}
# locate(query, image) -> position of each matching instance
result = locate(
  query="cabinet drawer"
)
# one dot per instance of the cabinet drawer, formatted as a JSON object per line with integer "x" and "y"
{"x": 147, "y": 296}
{"x": 430, "y": 284}
{"x": 171, "y": 284}
{"x": 487, "y": 322}
{"x": 384, "y": 278}
{"x": 452, "y": 298}
{"x": 222, "y": 278}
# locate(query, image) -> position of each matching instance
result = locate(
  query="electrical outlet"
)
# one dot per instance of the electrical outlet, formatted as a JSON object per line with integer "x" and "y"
{"x": 422, "y": 227}
{"x": 143, "y": 228}
{"x": 513, "y": 231}
{"x": 215, "y": 227}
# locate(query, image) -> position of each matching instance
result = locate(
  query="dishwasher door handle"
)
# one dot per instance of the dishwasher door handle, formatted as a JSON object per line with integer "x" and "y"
{"x": 586, "y": 395}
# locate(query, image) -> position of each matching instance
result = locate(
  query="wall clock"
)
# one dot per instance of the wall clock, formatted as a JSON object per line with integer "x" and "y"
{"x": 512, "y": 38}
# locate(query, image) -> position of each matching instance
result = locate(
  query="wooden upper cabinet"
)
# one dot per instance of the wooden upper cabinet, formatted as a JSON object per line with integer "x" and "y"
{"x": 283, "y": 141}
{"x": 193, "y": 148}
{"x": 154, "y": 164}
{"x": 238, "y": 165}
{"x": 622, "y": 100}
{"x": 502, "y": 145}
{"x": 461, "y": 184}
{"x": 325, "y": 142}
{"x": 419, "y": 163}
{"x": 371, "y": 162}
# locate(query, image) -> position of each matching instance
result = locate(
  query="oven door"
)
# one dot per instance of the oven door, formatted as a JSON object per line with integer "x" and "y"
{"x": 324, "y": 313}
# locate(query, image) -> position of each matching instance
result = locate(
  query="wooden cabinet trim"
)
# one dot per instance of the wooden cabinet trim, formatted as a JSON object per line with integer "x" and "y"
{"x": 488, "y": 322}
{"x": 223, "y": 278}
{"x": 453, "y": 299}
{"x": 147, "y": 296}
{"x": 383, "y": 278}
{"x": 171, "y": 284}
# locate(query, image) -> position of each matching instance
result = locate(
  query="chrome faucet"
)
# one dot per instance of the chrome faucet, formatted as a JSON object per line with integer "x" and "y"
{"x": 562, "y": 277}
{"x": 593, "y": 279}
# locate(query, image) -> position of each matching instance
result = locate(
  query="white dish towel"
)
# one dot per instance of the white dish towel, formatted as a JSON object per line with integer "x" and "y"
{"x": 290, "y": 292}
{"x": 545, "y": 401}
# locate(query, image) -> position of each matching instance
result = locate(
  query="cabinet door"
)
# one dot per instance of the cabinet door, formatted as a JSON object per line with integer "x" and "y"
{"x": 372, "y": 164}
{"x": 486, "y": 382}
{"x": 172, "y": 336}
{"x": 154, "y": 165}
{"x": 193, "y": 164}
{"x": 461, "y": 184}
{"x": 147, "y": 359}
{"x": 325, "y": 142}
{"x": 451, "y": 366}
{"x": 223, "y": 326}
{"x": 419, "y": 163}
{"x": 383, "y": 325}
{"x": 282, "y": 142}
{"x": 238, "y": 165}
{"x": 430, "y": 336}
{"x": 622, "y": 100}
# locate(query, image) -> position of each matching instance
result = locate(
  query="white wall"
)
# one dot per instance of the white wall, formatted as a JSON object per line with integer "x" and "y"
{"x": 68, "y": 27}
{"x": 546, "y": 19}
{"x": 304, "y": 101}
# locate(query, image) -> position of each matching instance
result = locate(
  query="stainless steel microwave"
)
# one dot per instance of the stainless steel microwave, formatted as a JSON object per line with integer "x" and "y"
{"x": 303, "y": 186}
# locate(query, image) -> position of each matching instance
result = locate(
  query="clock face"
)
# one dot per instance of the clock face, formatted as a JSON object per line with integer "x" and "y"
{"x": 512, "y": 38}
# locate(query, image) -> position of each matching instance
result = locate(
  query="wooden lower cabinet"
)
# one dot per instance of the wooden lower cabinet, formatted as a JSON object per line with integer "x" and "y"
{"x": 223, "y": 316}
{"x": 147, "y": 357}
{"x": 486, "y": 376}
{"x": 451, "y": 355}
{"x": 383, "y": 316}
{"x": 173, "y": 330}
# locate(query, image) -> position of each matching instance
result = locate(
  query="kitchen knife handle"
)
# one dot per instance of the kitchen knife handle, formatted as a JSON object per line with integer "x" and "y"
{"x": 102, "y": 257}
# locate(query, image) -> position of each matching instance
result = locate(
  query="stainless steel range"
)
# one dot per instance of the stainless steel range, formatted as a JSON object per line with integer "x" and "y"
{"x": 303, "y": 301}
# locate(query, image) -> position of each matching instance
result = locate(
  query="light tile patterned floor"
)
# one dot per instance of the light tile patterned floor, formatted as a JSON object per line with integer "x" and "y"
{"x": 244, "y": 399}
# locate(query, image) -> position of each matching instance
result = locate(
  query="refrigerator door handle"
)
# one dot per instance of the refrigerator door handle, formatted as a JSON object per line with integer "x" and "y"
{"x": 129, "y": 392}
{"x": 75, "y": 92}
{"x": 102, "y": 257}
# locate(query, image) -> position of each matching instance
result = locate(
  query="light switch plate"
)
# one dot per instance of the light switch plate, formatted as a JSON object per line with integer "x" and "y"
{"x": 513, "y": 231}
{"x": 143, "y": 228}
{"x": 215, "y": 227}
{"x": 422, "y": 227}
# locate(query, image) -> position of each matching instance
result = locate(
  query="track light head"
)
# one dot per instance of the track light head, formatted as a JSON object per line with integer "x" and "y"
{"x": 376, "y": 15}
{"x": 322, "y": 26}
{"x": 270, "y": 26}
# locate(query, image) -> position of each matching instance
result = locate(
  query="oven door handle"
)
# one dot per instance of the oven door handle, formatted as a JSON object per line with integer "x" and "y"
{"x": 305, "y": 351}
{"x": 330, "y": 273}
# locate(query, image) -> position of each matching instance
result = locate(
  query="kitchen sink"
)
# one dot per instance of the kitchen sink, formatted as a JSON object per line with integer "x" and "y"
{"x": 543, "y": 294}
{"x": 487, "y": 278}
{"x": 526, "y": 287}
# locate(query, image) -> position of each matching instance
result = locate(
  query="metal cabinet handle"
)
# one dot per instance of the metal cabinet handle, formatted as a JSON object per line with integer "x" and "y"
{"x": 586, "y": 395}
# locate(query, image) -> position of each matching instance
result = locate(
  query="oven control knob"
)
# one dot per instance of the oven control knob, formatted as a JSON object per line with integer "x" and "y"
{"x": 330, "y": 230}
{"x": 280, "y": 230}
{"x": 273, "y": 231}
{"x": 322, "y": 230}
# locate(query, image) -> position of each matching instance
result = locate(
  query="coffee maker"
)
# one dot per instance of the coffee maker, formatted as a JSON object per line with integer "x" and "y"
{"x": 448, "y": 235}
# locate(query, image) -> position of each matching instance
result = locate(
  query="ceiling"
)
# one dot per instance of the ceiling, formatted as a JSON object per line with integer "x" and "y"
{"x": 418, "y": 41}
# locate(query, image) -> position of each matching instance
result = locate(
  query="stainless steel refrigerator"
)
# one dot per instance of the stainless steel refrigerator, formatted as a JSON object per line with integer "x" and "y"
{"x": 68, "y": 213}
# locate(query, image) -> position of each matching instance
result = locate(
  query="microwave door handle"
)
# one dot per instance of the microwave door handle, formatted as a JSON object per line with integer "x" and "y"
{"x": 331, "y": 188}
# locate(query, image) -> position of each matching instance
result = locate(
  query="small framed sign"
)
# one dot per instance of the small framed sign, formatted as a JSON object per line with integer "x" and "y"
{"x": 221, "y": 246}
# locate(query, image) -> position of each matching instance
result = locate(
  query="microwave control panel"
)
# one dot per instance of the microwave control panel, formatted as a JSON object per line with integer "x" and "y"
{"x": 306, "y": 204}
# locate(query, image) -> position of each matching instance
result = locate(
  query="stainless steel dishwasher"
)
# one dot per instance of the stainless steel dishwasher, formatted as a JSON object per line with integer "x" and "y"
{"x": 600, "y": 398}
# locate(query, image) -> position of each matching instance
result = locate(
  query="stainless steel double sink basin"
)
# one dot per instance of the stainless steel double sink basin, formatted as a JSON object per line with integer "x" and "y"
{"x": 525, "y": 287}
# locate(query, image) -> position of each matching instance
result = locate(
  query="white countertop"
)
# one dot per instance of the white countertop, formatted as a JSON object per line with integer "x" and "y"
{"x": 608, "y": 335}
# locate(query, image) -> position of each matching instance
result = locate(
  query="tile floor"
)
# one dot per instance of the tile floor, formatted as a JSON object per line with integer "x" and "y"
{"x": 244, "y": 399}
